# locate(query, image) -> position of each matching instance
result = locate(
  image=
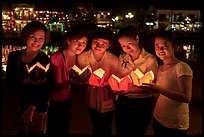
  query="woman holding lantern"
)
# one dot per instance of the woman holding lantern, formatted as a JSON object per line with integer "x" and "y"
{"x": 27, "y": 72}
{"x": 99, "y": 97}
{"x": 61, "y": 61}
{"x": 173, "y": 88}
{"x": 133, "y": 108}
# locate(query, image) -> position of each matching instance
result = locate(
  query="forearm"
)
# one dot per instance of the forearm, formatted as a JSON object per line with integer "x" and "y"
{"x": 175, "y": 95}
{"x": 137, "y": 89}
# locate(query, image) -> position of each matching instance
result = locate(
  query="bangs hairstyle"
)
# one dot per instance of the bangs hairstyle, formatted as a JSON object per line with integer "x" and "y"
{"x": 129, "y": 31}
{"x": 31, "y": 28}
{"x": 167, "y": 35}
{"x": 103, "y": 33}
{"x": 77, "y": 32}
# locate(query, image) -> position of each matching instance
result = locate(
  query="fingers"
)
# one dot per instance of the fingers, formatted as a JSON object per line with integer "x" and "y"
{"x": 27, "y": 116}
{"x": 145, "y": 84}
{"x": 35, "y": 116}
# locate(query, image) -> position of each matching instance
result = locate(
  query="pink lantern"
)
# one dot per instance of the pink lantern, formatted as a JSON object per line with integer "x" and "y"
{"x": 97, "y": 78}
{"x": 119, "y": 84}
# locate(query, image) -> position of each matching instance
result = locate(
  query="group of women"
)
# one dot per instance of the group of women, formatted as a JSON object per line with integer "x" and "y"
{"x": 45, "y": 84}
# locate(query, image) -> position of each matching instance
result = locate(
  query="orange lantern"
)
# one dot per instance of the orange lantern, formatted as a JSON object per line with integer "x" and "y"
{"x": 119, "y": 84}
{"x": 138, "y": 77}
{"x": 97, "y": 78}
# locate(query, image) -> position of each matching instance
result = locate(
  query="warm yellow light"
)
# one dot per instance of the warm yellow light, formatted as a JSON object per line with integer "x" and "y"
{"x": 129, "y": 15}
{"x": 116, "y": 18}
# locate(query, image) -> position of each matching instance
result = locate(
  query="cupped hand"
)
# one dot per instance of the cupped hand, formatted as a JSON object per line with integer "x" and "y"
{"x": 152, "y": 86}
{"x": 29, "y": 81}
{"x": 27, "y": 116}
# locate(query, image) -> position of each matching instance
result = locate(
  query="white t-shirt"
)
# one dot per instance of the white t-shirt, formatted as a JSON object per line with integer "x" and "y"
{"x": 168, "y": 112}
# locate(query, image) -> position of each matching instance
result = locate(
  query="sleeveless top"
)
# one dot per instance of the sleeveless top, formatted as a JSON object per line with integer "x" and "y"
{"x": 60, "y": 74}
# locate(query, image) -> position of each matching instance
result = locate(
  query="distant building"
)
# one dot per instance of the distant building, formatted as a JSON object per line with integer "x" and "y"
{"x": 179, "y": 20}
{"x": 54, "y": 20}
{"x": 23, "y": 13}
{"x": 103, "y": 19}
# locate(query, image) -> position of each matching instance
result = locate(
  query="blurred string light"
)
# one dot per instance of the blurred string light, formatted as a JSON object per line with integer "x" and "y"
{"x": 129, "y": 15}
{"x": 149, "y": 23}
{"x": 187, "y": 48}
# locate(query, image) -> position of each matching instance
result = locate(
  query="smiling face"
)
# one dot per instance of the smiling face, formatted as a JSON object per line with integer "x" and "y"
{"x": 129, "y": 45}
{"x": 100, "y": 45}
{"x": 78, "y": 45}
{"x": 36, "y": 40}
{"x": 163, "y": 48}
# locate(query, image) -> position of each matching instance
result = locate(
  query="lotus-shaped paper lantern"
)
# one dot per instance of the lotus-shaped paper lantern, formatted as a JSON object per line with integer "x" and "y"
{"x": 37, "y": 72}
{"x": 119, "y": 84}
{"x": 80, "y": 75}
{"x": 97, "y": 78}
{"x": 138, "y": 77}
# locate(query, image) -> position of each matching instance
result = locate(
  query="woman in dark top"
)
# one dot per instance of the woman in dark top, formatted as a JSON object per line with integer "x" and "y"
{"x": 27, "y": 72}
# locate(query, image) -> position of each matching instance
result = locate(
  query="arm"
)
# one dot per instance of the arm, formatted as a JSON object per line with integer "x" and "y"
{"x": 58, "y": 79}
{"x": 115, "y": 65}
{"x": 137, "y": 89}
{"x": 12, "y": 69}
{"x": 183, "y": 93}
{"x": 152, "y": 65}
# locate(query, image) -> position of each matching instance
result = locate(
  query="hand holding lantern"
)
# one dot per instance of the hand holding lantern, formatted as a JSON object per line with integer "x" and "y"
{"x": 36, "y": 73}
{"x": 139, "y": 78}
{"x": 80, "y": 75}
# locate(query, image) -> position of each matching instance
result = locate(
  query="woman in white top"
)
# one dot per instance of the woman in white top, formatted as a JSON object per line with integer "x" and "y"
{"x": 98, "y": 57}
{"x": 133, "y": 109}
{"x": 174, "y": 87}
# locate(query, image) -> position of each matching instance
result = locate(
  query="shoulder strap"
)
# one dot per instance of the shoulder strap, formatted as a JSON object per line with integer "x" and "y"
{"x": 65, "y": 58}
{"x": 63, "y": 55}
{"x": 67, "y": 71}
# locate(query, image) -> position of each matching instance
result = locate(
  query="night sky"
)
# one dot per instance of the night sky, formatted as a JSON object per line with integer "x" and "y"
{"x": 62, "y": 5}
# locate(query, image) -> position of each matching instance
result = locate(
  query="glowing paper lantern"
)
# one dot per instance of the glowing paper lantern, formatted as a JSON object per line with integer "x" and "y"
{"x": 138, "y": 77}
{"x": 97, "y": 78}
{"x": 37, "y": 72}
{"x": 80, "y": 75}
{"x": 119, "y": 84}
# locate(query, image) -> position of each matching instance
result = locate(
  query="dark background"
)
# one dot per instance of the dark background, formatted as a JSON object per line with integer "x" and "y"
{"x": 62, "y": 5}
